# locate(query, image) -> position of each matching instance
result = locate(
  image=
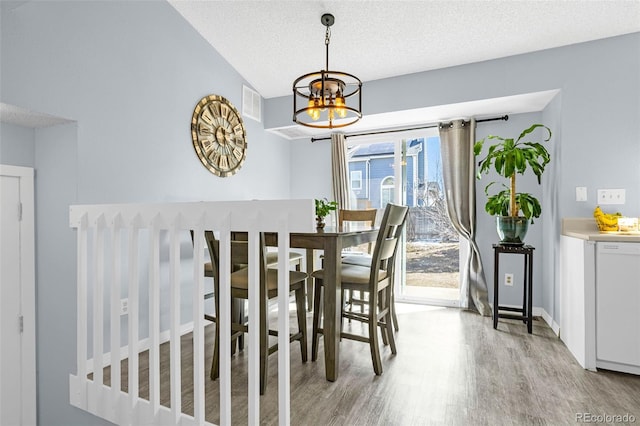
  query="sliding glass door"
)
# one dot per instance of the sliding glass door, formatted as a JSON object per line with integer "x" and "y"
{"x": 406, "y": 169}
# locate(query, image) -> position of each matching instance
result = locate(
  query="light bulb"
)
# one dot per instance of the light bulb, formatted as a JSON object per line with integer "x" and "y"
{"x": 315, "y": 114}
{"x": 342, "y": 111}
{"x": 312, "y": 103}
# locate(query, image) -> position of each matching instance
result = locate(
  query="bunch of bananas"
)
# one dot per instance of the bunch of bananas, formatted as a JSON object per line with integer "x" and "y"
{"x": 606, "y": 221}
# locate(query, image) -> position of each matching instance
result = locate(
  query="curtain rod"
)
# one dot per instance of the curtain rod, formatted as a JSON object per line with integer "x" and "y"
{"x": 428, "y": 126}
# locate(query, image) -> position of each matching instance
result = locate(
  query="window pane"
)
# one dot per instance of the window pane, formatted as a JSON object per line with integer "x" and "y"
{"x": 431, "y": 252}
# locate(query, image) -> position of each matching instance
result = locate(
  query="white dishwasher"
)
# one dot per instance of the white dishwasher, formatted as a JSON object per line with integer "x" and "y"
{"x": 618, "y": 306}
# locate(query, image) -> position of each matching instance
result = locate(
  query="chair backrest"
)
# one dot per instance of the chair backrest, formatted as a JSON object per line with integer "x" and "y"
{"x": 389, "y": 236}
{"x": 367, "y": 215}
{"x": 239, "y": 253}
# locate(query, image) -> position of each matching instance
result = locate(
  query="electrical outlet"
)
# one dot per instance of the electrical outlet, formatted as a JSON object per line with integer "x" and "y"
{"x": 611, "y": 196}
{"x": 508, "y": 280}
{"x": 124, "y": 306}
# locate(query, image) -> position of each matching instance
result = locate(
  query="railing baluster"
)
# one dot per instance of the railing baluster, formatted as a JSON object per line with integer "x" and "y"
{"x": 284, "y": 348}
{"x": 224, "y": 319}
{"x": 116, "y": 253}
{"x": 98, "y": 309}
{"x": 198, "y": 327}
{"x": 255, "y": 305}
{"x": 174, "y": 328}
{"x": 97, "y": 274}
{"x": 134, "y": 308}
{"x": 81, "y": 317}
{"x": 154, "y": 316}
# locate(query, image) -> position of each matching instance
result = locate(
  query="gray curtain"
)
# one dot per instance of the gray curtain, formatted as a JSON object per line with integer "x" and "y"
{"x": 458, "y": 168}
{"x": 339, "y": 168}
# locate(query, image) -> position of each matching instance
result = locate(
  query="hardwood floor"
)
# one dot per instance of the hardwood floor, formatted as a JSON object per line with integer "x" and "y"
{"x": 452, "y": 368}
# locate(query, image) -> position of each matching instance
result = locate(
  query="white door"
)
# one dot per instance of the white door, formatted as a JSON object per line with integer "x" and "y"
{"x": 17, "y": 297}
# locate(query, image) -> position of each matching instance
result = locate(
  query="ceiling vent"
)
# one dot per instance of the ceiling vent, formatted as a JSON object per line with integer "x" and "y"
{"x": 251, "y": 104}
{"x": 291, "y": 132}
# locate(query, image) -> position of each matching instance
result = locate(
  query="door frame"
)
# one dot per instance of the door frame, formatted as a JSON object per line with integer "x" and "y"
{"x": 28, "y": 290}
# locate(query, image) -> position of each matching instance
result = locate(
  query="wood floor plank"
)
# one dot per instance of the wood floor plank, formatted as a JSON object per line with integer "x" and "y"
{"x": 452, "y": 368}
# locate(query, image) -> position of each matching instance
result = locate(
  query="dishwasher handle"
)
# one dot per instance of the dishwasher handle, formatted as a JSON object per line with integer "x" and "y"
{"x": 618, "y": 248}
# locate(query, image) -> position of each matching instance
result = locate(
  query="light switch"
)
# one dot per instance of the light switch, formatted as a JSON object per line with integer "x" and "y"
{"x": 581, "y": 193}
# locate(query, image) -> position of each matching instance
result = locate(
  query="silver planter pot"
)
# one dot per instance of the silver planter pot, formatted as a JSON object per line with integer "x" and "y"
{"x": 512, "y": 230}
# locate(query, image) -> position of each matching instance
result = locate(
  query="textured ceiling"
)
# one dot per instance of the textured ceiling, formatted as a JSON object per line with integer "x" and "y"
{"x": 271, "y": 43}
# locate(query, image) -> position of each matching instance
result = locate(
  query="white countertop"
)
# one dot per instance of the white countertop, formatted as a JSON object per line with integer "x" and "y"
{"x": 586, "y": 229}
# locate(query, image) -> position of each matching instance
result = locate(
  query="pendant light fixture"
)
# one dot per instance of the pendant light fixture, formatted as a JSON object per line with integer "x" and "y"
{"x": 327, "y": 99}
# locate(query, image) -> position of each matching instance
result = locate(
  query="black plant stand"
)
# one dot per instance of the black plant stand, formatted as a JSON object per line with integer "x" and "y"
{"x": 525, "y": 312}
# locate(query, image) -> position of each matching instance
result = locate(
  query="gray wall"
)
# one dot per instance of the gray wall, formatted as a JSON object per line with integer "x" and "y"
{"x": 17, "y": 145}
{"x": 129, "y": 75}
{"x": 56, "y": 188}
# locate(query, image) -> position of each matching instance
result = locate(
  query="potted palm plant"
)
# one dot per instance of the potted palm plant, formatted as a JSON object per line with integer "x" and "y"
{"x": 509, "y": 157}
{"x": 323, "y": 208}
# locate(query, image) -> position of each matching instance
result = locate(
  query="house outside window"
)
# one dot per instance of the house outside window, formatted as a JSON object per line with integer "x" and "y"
{"x": 374, "y": 162}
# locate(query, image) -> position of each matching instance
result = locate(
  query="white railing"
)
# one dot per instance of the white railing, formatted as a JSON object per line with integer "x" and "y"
{"x": 135, "y": 252}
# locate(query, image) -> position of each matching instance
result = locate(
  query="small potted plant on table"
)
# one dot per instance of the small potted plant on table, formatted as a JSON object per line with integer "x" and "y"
{"x": 509, "y": 158}
{"x": 323, "y": 208}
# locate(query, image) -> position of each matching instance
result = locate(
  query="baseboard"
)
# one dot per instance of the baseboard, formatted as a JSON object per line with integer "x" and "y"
{"x": 549, "y": 320}
{"x": 143, "y": 345}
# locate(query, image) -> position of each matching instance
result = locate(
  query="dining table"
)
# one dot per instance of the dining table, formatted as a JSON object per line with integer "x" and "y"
{"x": 331, "y": 240}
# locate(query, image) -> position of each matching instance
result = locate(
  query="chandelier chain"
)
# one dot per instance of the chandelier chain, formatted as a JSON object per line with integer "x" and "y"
{"x": 327, "y": 38}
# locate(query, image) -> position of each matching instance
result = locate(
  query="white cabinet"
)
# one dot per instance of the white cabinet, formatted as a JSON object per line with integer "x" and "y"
{"x": 577, "y": 299}
{"x": 600, "y": 296}
{"x": 618, "y": 306}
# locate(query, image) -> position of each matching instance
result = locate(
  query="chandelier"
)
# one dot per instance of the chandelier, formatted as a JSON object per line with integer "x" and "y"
{"x": 327, "y": 99}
